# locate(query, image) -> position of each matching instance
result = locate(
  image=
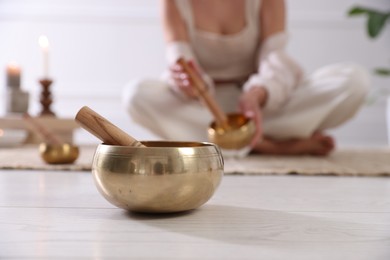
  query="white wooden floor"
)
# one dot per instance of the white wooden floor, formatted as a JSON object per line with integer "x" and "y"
{"x": 60, "y": 215}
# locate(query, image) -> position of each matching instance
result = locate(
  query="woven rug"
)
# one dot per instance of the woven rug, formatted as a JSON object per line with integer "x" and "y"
{"x": 343, "y": 162}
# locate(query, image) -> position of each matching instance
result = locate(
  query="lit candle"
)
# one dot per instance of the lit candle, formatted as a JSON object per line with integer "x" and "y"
{"x": 44, "y": 43}
{"x": 13, "y": 75}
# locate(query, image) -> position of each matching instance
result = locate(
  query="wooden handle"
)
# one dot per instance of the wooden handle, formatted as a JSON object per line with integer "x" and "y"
{"x": 103, "y": 129}
{"x": 42, "y": 131}
{"x": 198, "y": 82}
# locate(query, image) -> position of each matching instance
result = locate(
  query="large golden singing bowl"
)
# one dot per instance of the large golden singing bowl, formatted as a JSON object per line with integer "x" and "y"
{"x": 237, "y": 138}
{"x": 59, "y": 154}
{"x": 162, "y": 177}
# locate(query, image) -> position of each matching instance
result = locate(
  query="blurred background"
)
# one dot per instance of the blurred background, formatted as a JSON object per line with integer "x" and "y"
{"x": 97, "y": 46}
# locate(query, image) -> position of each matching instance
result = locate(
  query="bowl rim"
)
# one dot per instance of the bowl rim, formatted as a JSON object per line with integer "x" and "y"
{"x": 179, "y": 144}
{"x": 178, "y": 148}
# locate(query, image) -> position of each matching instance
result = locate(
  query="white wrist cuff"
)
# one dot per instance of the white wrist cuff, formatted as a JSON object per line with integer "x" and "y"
{"x": 275, "y": 42}
{"x": 176, "y": 50}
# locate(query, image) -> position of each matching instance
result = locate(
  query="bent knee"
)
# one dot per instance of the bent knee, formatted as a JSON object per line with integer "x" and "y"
{"x": 357, "y": 82}
{"x": 137, "y": 93}
{"x": 349, "y": 78}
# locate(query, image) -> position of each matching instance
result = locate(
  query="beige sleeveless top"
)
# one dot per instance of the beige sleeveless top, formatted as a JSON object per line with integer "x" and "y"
{"x": 229, "y": 56}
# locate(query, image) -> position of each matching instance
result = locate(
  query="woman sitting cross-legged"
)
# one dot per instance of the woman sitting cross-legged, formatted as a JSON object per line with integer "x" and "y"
{"x": 238, "y": 47}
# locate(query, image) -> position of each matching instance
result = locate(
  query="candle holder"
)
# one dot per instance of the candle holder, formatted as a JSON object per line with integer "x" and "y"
{"x": 46, "y": 99}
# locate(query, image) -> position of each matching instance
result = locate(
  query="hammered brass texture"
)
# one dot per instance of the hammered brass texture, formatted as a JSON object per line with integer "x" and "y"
{"x": 162, "y": 177}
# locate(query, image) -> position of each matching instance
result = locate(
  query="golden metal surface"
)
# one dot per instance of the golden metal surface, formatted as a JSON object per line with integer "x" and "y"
{"x": 237, "y": 137}
{"x": 162, "y": 177}
{"x": 59, "y": 154}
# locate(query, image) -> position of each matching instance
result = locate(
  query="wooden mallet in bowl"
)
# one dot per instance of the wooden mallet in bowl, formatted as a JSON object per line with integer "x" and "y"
{"x": 232, "y": 132}
{"x": 219, "y": 116}
{"x": 103, "y": 129}
{"x": 42, "y": 131}
{"x": 53, "y": 149}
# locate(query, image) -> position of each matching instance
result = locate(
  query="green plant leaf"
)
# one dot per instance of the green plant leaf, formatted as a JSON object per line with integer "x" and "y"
{"x": 383, "y": 71}
{"x": 375, "y": 23}
{"x": 357, "y": 10}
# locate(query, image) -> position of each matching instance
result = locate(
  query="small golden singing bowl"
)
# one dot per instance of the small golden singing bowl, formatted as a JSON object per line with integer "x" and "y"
{"x": 160, "y": 178}
{"x": 235, "y": 140}
{"x": 58, "y": 154}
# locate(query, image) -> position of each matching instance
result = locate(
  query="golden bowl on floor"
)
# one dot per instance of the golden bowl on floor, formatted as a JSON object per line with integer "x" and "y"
{"x": 58, "y": 154}
{"x": 160, "y": 178}
{"x": 236, "y": 140}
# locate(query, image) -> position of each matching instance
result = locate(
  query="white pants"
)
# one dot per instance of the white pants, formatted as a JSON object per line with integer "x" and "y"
{"x": 326, "y": 99}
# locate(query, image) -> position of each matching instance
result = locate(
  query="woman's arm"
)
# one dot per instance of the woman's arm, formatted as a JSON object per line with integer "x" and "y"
{"x": 272, "y": 18}
{"x": 278, "y": 74}
{"x": 174, "y": 27}
{"x": 178, "y": 46}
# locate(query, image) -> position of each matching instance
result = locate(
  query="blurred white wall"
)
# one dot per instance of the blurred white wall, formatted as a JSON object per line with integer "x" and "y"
{"x": 97, "y": 46}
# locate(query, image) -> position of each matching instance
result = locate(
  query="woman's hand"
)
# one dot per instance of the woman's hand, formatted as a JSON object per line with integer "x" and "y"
{"x": 182, "y": 79}
{"x": 250, "y": 104}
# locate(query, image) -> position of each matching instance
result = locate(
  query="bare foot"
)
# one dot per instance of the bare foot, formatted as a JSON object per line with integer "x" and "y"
{"x": 317, "y": 144}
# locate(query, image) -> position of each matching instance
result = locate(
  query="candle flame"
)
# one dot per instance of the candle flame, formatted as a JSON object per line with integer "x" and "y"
{"x": 44, "y": 42}
{"x": 13, "y": 65}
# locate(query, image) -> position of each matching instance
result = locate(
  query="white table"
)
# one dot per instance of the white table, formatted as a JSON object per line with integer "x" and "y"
{"x": 51, "y": 215}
